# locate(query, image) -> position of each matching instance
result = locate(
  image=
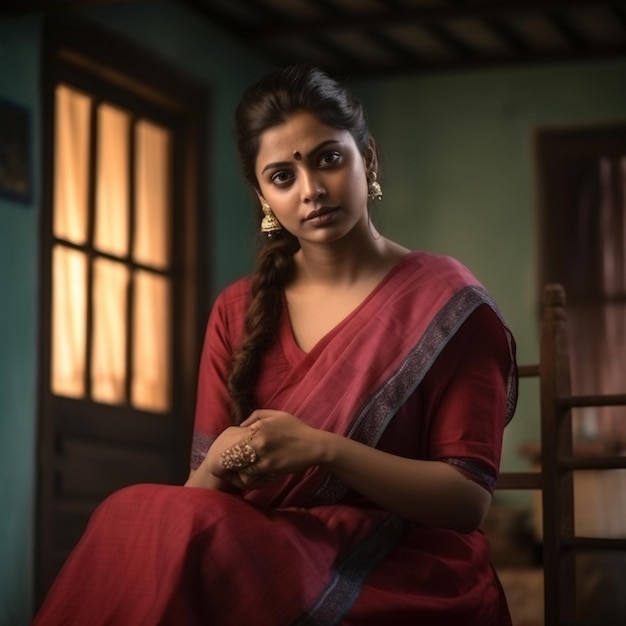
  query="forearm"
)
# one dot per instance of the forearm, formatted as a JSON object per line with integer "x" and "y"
{"x": 203, "y": 478}
{"x": 427, "y": 492}
{"x": 210, "y": 474}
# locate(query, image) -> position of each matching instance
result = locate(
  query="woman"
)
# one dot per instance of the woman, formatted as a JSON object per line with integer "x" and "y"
{"x": 351, "y": 401}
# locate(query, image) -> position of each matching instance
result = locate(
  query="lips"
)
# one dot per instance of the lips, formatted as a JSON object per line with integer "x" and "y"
{"x": 325, "y": 210}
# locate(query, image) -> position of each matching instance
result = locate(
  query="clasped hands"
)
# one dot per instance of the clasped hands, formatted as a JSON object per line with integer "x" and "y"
{"x": 266, "y": 444}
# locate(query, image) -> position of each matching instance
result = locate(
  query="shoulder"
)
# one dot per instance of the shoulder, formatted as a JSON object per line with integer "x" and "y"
{"x": 440, "y": 265}
{"x": 439, "y": 278}
{"x": 226, "y": 321}
{"x": 230, "y": 307}
{"x": 235, "y": 294}
{"x": 464, "y": 301}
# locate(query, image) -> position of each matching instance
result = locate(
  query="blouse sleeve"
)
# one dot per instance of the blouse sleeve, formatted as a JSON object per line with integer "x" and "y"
{"x": 213, "y": 404}
{"x": 469, "y": 400}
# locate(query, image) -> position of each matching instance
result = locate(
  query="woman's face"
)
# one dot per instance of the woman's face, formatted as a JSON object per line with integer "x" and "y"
{"x": 313, "y": 177}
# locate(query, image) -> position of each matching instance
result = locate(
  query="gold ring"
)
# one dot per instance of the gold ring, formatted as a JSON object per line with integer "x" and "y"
{"x": 238, "y": 456}
{"x": 251, "y": 433}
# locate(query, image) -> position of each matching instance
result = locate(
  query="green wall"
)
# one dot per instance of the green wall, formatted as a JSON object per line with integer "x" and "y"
{"x": 224, "y": 69}
{"x": 18, "y": 340}
{"x": 458, "y": 178}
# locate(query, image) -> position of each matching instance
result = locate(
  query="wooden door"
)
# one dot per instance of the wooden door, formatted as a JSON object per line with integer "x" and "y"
{"x": 121, "y": 279}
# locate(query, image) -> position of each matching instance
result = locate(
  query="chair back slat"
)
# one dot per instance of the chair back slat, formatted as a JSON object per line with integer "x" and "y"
{"x": 559, "y": 461}
{"x": 556, "y": 442}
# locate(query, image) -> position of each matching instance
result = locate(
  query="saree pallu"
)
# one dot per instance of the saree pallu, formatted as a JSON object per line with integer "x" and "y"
{"x": 397, "y": 373}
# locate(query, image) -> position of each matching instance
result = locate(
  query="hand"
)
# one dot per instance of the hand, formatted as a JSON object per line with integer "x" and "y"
{"x": 212, "y": 474}
{"x": 227, "y": 439}
{"x": 245, "y": 478}
{"x": 283, "y": 443}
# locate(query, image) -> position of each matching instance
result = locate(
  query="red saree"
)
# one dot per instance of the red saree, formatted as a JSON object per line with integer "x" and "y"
{"x": 424, "y": 368}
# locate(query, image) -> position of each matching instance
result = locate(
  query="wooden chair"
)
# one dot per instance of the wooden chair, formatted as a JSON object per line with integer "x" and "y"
{"x": 555, "y": 480}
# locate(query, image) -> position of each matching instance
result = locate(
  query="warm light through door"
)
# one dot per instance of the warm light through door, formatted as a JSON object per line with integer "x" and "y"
{"x": 111, "y": 318}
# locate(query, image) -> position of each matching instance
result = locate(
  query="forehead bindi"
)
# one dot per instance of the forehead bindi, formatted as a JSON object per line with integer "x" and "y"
{"x": 295, "y": 139}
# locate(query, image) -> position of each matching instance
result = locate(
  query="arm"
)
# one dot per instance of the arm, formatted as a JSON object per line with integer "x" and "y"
{"x": 211, "y": 475}
{"x": 213, "y": 431}
{"x": 465, "y": 400}
{"x": 431, "y": 493}
{"x": 201, "y": 475}
{"x": 427, "y": 492}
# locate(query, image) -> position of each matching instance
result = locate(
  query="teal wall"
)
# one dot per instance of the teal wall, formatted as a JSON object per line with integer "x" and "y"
{"x": 458, "y": 178}
{"x": 224, "y": 69}
{"x": 18, "y": 339}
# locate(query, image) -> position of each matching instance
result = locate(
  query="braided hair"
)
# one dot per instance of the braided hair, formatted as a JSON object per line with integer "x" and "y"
{"x": 264, "y": 105}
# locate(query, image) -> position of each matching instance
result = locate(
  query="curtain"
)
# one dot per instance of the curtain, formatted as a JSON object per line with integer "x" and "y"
{"x": 125, "y": 253}
{"x": 597, "y": 313}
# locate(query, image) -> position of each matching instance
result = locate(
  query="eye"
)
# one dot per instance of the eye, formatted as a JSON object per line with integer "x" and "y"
{"x": 329, "y": 159}
{"x": 281, "y": 178}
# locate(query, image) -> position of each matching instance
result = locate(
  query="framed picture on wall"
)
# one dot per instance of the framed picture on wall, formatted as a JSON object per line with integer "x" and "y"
{"x": 15, "y": 152}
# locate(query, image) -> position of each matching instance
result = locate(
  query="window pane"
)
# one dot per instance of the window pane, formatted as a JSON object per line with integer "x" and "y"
{"x": 597, "y": 312}
{"x": 111, "y": 233}
{"x": 152, "y": 195}
{"x": 612, "y": 209}
{"x": 109, "y": 331}
{"x": 71, "y": 162}
{"x": 68, "y": 322}
{"x": 151, "y": 343}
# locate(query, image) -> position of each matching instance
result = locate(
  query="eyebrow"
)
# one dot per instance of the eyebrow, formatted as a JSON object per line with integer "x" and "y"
{"x": 317, "y": 148}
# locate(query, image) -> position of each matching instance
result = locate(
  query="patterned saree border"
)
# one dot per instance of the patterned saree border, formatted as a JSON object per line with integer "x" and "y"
{"x": 345, "y": 585}
{"x": 371, "y": 420}
{"x": 199, "y": 447}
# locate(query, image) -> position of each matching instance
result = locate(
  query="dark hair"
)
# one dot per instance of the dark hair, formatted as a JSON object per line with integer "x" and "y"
{"x": 264, "y": 105}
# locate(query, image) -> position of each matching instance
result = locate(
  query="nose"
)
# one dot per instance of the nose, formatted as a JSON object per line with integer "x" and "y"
{"x": 312, "y": 188}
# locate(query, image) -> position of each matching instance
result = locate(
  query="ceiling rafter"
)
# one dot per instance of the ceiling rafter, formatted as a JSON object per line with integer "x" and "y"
{"x": 457, "y": 45}
{"x": 426, "y": 14}
{"x": 567, "y": 30}
{"x": 620, "y": 15}
{"x": 506, "y": 33}
{"x": 394, "y": 37}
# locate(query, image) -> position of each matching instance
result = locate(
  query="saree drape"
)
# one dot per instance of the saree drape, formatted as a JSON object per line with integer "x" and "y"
{"x": 423, "y": 368}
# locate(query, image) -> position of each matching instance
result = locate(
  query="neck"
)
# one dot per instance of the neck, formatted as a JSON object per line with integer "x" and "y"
{"x": 346, "y": 263}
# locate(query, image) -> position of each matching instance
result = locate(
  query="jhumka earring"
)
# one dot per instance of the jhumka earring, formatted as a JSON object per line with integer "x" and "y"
{"x": 374, "y": 191}
{"x": 269, "y": 225}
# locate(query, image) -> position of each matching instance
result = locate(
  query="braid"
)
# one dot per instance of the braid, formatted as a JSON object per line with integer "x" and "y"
{"x": 264, "y": 105}
{"x": 274, "y": 268}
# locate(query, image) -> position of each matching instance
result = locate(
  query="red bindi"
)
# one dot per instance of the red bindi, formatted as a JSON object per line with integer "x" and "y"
{"x": 296, "y": 155}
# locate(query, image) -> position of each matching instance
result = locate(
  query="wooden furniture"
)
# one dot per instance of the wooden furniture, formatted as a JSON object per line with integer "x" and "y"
{"x": 560, "y": 543}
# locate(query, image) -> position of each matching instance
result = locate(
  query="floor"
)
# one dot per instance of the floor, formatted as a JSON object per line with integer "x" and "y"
{"x": 523, "y": 587}
{"x": 515, "y": 557}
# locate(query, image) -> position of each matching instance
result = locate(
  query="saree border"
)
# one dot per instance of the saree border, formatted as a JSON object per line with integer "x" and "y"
{"x": 376, "y": 413}
{"x": 344, "y": 587}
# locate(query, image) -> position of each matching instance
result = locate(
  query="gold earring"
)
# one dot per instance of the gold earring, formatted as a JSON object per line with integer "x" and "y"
{"x": 374, "y": 191}
{"x": 269, "y": 224}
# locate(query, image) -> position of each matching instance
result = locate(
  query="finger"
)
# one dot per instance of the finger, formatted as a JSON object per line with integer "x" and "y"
{"x": 245, "y": 480}
{"x": 250, "y": 420}
{"x": 257, "y": 415}
{"x": 236, "y": 481}
{"x": 252, "y": 430}
{"x": 250, "y": 481}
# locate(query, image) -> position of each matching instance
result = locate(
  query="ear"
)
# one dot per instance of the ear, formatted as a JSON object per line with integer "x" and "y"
{"x": 371, "y": 160}
{"x": 262, "y": 200}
